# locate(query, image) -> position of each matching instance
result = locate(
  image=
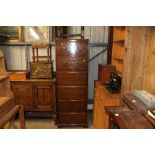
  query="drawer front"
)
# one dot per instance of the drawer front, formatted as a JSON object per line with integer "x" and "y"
{"x": 80, "y": 118}
{"x": 25, "y": 99}
{"x": 22, "y": 88}
{"x": 23, "y": 96}
{"x": 72, "y": 93}
{"x": 71, "y": 78}
{"x": 25, "y": 103}
{"x": 71, "y": 64}
{"x": 71, "y": 106}
{"x": 72, "y": 48}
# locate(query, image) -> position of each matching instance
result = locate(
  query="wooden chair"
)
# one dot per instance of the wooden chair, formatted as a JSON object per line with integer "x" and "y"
{"x": 8, "y": 109}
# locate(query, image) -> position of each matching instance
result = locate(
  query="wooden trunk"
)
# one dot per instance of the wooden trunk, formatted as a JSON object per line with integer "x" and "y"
{"x": 72, "y": 81}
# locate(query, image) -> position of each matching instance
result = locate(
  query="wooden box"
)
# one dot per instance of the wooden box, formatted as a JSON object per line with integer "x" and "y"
{"x": 19, "y": 75}
{"x": 41, "y": 70}
{"x": 104, "y": 72}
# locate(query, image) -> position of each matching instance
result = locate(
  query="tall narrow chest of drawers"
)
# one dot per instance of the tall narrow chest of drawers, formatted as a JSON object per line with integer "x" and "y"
{"x": 72, "y": 82}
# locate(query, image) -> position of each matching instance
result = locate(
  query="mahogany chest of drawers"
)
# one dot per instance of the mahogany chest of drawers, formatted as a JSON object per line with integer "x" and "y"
{"x": 71, "y": 82}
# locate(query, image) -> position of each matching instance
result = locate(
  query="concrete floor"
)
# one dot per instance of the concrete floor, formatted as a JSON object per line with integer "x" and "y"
{"x": 46, "y": 123}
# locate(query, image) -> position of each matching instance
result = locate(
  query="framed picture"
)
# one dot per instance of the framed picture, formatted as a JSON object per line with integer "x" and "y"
{"x": 10, "y": 33}
{"x": 36, "y": 34}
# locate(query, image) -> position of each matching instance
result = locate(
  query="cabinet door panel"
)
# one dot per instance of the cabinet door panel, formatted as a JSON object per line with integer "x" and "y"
{"x": 44, "y": 96}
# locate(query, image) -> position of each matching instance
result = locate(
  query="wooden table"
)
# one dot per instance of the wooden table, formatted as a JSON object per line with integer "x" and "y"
{"x": 132, "y": 115}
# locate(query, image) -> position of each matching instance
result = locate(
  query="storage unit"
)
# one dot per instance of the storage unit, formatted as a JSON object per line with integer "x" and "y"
{"x": 118, "y": 48}
{"x": 35, "y": 94}
{"x": 72, "y": 82}
{"x": 102, "y": 99}
{"x": 104, "y": 72}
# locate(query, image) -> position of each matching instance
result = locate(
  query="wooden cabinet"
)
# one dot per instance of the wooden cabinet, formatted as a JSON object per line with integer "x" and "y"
{"x": 35, "y": 94}
{"x": 118, "y": 49}
{"x": 103, "y": 98}
{"x": 104, "y": 72}
{"x": 72, "y": 79}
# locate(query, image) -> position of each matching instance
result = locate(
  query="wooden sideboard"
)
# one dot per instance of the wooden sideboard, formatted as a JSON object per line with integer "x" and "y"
{"x": 103, "y": 98}
{"x": 35, "y": 94}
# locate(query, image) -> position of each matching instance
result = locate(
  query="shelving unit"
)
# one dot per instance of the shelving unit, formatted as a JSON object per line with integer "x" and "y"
{"x": 118, "y": 49}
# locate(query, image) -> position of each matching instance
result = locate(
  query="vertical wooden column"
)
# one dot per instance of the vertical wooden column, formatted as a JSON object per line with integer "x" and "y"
{"x": 110, "y": 43}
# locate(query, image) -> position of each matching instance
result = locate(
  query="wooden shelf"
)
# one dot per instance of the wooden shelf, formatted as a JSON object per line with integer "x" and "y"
{"x": 120, "y": 42}
{"x": 118, "y": 59}
{"x": 118, "y": 50}
{"x": 21, "y": 44}
{"x": 3, "y": 77}
{"x": 51, "y": 44}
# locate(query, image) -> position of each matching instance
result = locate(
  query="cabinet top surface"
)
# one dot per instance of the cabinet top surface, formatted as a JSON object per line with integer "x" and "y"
{"x": 36, "y": 80}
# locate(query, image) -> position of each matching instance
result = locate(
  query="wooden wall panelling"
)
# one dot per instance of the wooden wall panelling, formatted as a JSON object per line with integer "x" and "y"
{"x": 135, "y": 60}
{"x": 149, "y": 66}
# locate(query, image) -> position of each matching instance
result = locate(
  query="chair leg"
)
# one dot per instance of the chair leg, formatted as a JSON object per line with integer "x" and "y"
{"x": 21, "y": 117}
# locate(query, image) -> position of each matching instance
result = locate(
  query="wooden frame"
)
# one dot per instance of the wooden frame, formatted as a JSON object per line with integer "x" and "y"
{"x": 6, "y": 36}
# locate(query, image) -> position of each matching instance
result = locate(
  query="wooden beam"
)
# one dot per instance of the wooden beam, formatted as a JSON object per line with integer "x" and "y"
{"x": 110, "y": 43}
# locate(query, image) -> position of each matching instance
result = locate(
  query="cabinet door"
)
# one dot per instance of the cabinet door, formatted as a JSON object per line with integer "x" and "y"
{"x": 44, "y": 95}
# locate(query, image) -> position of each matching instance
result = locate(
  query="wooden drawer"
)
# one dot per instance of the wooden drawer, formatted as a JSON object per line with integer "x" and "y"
{"x": 72, "y": 106}
{"x": 25, "y": 99}
{"x": 77, "y": 118}
{"x": 72, "y": 93}
{"x": 71, "y": 48}
{"x": 21, "y": 88}
{"x": 71, "y": 78}
{"x": 23, "y": 96}
{"x": 25, "y": 103}
{"x": 72, "y": 64}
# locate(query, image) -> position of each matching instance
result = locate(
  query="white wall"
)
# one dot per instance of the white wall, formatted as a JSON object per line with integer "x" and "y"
{"x": 17, "y": 57}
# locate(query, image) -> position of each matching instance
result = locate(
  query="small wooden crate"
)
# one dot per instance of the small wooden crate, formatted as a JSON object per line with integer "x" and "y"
{"x": 104, "y": 72}
{"x": 19, "y": 75}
